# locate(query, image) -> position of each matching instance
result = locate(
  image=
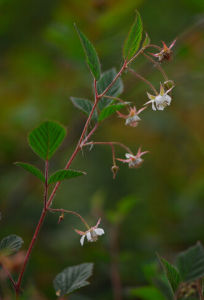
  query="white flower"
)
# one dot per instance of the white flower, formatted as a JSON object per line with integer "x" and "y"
{"x": 134, "y": 161}
{"x": 160, "y": 101}
{"x": 91, "y": 234}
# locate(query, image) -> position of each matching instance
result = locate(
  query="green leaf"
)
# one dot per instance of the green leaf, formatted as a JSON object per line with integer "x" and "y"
{"x": 147, "y": 293}
{"x": 64, "y": 174}
{"x": 91, "y": 55}
{"x": 32, "y": 169}
{"x": 134, "y": 37}
{"x": 45, "y": 139}
{"x": 84, "y": 105}
{"x": 190, "y": 263}
{"x": 10, "y": 244}
{"x": 117, "y": 88}
{"x": 172, "y": 274}
{"x": 111, "y": 109}
{"x": 72, "y": 278}
{"x": 146, "y": 41}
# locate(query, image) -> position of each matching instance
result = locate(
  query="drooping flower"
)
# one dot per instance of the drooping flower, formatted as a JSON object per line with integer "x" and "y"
{"x": 134, "y": 161}
{"x": 91, "y": 234}
{"x": 165, "y": 53}
{"x": 132, "y": 118}
{"x": 159, "y": 102}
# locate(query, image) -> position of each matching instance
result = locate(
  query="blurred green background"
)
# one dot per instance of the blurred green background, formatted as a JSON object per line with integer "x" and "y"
{"x": 161, "y": 204}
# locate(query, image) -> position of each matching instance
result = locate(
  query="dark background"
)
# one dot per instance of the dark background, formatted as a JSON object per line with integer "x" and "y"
{"x": 41, "y": 66}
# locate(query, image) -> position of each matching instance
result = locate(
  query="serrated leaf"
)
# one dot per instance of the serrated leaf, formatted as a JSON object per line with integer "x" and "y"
{"x": 64, "y": 174}
{"x": 32, "y": 169}
{"x": 146, "y": 41}
{"x": 147, "y": 293}
{"x": 134, "y": 37}
{"x": 45, "y": 139}
{"x": 111, "y": 109}
{"x": 117, "y": 89}
{"x": 172, "y": 274}
{"x": 190, "y": 263}
{"x": 91, "y": 55}
{"x": 10, "y": 244}
{"x": 84, "y": 105}
{"x": 72, "y": 278}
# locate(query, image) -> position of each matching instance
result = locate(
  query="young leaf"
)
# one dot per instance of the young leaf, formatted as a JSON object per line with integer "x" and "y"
{"x": 134, "y": 37}
{"x": 111, "y": 109}
{"x": 45, "y": 139}
{"x": 190, "y": 263}
{"x": 64, "y": 174}
{"x": 32, "y": 169}
{"x": 85, "y": 106}
{"x": 146, "y": 41}
{"x": 72, "y": 278}
{"x": 10, "y": 244}
{"x": 172, "y": 274}
{"x": 91, "y": 55}
{"x": 117, "y": 89}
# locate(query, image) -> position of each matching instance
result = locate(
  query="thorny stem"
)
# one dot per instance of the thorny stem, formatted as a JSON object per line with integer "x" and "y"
{"x": 157, "y": 65}
{"x": 143, "y": 79}
{"x": 61, "y": 210}
{"x": 110, "y": 144}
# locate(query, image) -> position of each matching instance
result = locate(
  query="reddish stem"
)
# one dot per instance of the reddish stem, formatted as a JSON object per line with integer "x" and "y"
{"x": 46, "y": 183}
{"x": 9, "y": 275}
{"x": 49, "y": 201}
{"x": 110, "y": 144}
{"x": 18, "y": 284}
{"x": 70, "y": 212}
{"x": 114, "y": 80}
{"x": 143, "y": 79}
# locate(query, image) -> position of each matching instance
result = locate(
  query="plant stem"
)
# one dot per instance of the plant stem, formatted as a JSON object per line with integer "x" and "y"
{"x": 157, "y": 66}
{"x": 115, "y": 98}
{"x": 110, "y": 144}
{"x": 143, "y": 79}
{"x": 114, "y": 80}
{"x": 69, "y": 212}
{"x": 199, "y": 288}
{"x": 46, "y": 183}
{"x": 9, "y": 275}
{"x": 18, "y": 284}
{"x": 49, "y": 201}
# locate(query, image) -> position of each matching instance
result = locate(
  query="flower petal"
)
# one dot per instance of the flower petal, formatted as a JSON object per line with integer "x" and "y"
{"x": 82, "y": 240}
{"x": 88, "y": 235}
{"x": 99, "y": 231}
{"x": 153, "y": 106}
{"x": 151, "y": 97}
